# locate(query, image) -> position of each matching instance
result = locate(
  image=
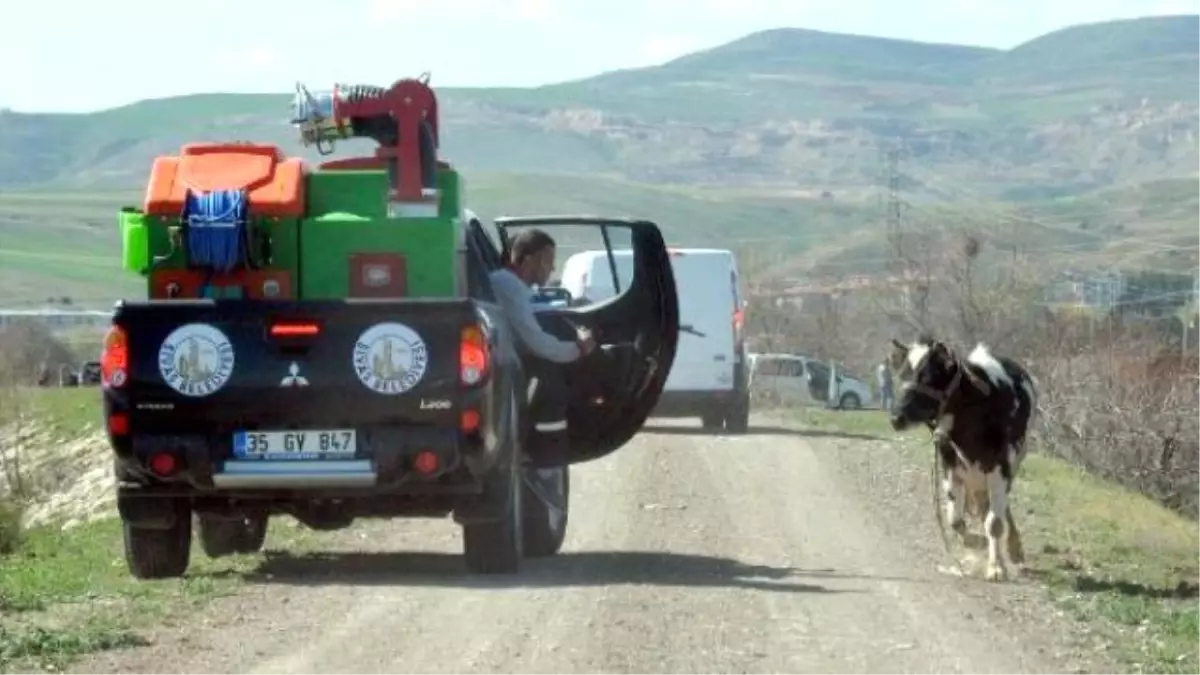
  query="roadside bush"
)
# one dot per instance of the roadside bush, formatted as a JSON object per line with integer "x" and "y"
{"x": 1120, "y": 398}
{"x": 1127, "y": 409}
{"x": 13, "y": 483}
{"x": 27, "y": 352}
{"x": 11, "y": 531}
{"x": 30, "y": 352}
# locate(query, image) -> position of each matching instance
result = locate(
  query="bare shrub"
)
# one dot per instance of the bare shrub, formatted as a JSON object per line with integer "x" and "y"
{"x": 14, "y": 488}
{"x": 29, "y": 354}
{"x": 1118, "y": 397}
{"x": 1126, "y": 407}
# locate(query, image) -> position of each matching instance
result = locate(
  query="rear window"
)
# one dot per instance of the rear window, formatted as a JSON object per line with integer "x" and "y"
{"x": 695, "y": 271}
{"x": 820, "y": 370}
{"x": 784, "y": 367}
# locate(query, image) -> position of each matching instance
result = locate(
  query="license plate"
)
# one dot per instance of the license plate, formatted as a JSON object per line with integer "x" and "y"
{"x": 307, "y": 444}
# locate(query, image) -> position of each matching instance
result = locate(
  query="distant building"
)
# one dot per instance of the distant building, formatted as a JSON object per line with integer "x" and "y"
{"x": 1144, "y": 294}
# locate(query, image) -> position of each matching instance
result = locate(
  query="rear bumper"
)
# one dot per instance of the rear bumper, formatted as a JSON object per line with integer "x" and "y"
{"x": 694, "y": 403}
{"x": 384, "y": 463}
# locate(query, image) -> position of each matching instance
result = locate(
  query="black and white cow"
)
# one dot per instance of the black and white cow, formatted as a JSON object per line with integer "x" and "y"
{"x": 979, "y": 409}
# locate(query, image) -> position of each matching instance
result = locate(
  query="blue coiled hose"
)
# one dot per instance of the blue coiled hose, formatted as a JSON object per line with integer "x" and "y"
{"x": 216, "y": 229}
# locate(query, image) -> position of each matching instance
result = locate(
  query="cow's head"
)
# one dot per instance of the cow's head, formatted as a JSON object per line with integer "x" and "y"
{"x": 926, "y": 372}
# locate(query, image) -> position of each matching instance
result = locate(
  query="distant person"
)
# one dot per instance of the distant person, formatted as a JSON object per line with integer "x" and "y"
{"x": 530, "y": 263}
{"x": 883, "y": 378}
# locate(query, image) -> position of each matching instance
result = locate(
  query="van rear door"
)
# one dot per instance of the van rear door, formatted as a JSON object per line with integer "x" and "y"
{"x": 705, "y": 358}
{"x": 706, "y": 283}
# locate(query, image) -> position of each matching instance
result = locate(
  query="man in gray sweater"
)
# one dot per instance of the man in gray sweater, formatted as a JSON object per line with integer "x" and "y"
{"x": 531, "y": 261}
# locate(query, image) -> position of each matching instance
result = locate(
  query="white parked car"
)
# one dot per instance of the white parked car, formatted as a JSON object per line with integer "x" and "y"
{"x": 793, "y": 379}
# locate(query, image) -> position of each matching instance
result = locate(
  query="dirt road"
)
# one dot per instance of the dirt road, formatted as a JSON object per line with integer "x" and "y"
{"x": 780, "y": 550}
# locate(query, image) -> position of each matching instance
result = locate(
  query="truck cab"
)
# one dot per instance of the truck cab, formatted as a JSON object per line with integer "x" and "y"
{"x": 323, "y": 342}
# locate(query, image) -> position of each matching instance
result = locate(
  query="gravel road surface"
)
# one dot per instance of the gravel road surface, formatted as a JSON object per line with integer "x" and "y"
{"x": 783, "y": 550}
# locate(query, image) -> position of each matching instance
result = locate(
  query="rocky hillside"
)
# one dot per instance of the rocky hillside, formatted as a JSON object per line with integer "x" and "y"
{"x": 793, "y": 112}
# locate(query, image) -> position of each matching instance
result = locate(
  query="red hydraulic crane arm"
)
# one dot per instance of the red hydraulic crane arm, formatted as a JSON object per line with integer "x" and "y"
{"x": 409, "y": 102}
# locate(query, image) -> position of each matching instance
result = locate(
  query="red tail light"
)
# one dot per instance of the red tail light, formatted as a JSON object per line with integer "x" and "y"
{"x": 286, "y": 329}
{"x": 114, "y": 360}
{"x": 427, "y": 462}
{"x": 469, "y": 421}
{"x": 118, "y": 424}
{"x": 739, "y": 322}
{"x": 163, "y": 464}
{"x": 474, "y": 360}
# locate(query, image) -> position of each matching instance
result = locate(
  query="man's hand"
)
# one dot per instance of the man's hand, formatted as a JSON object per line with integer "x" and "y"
{"x": 584, "y": 339}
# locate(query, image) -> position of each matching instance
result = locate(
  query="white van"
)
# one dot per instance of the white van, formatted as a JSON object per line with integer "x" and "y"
{"x": 708, "y": 379}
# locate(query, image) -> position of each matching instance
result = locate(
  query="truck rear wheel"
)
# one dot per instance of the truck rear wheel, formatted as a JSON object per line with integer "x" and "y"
{"x": 226, "y": 536}
{"x": 154, "y": 553}
{"x": 545, "y": 506}
{"x": 494, "y": 546}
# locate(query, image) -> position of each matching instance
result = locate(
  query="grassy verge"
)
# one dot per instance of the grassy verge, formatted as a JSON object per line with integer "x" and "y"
{"x": 62, "y": 413}
{"x": 65, "y": 413}
{"x": 1109, "y": 556}
{"x": 62, "y": 596}
{"x": 50, "y": 438}
{"x": 64, "y": 593}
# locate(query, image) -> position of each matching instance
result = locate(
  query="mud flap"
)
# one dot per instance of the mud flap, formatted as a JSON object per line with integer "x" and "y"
{"x": 489, "y": 506}
{"x": 493, "y": 503}
{"x": 144, "y": 511}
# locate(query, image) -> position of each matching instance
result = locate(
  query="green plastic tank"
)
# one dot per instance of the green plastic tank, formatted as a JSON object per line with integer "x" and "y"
{"x": 135, "y": 240}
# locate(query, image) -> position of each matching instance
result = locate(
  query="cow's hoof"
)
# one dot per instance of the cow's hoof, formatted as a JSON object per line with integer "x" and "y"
{"x": 996, "y": 573}
{"x": 959, "y": 527}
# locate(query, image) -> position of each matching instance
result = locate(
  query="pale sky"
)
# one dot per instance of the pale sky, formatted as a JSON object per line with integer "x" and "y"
{"x": 75, "y": 55}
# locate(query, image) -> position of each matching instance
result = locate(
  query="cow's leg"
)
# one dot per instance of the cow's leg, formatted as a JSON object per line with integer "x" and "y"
{"x": 997, "y": 488}
{"x": 953, "y": 486}
{"x": 1016, "y": 550}
{"x": 954, "y": 496}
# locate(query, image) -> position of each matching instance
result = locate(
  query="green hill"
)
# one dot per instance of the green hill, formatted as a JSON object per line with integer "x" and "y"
{"x": 780, "y": 133}
{"x": 59, "y": 243}
{"x": 1109, "y": 51}
{"x": 779, "y": 108}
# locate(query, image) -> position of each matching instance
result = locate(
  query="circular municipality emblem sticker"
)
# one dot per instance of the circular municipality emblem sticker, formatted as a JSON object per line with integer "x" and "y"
{"x": 390, "y": 358}
{"x": 196, "y": 359}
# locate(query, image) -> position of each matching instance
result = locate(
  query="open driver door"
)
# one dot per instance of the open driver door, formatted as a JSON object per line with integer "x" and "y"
{"x": 613, "y": 389}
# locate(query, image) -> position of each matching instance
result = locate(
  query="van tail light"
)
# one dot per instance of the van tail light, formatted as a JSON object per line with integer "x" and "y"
{"x": 114, "y": 359}
{"x": 474, "y": 357}
{"x": 739, "y": 322}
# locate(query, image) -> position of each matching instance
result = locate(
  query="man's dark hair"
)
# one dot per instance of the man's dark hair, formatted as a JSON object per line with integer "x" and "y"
{"x": 529, "y": 242}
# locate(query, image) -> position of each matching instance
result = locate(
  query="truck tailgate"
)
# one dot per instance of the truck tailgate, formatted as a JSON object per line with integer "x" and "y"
{"x": 217, "y": 366}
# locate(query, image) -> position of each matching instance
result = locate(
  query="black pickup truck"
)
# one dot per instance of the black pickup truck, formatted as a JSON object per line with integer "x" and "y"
{"x": 234, "y": 410}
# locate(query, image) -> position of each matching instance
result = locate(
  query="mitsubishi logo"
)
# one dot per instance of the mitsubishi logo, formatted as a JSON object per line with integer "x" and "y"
{"x": 294, "y": 378}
